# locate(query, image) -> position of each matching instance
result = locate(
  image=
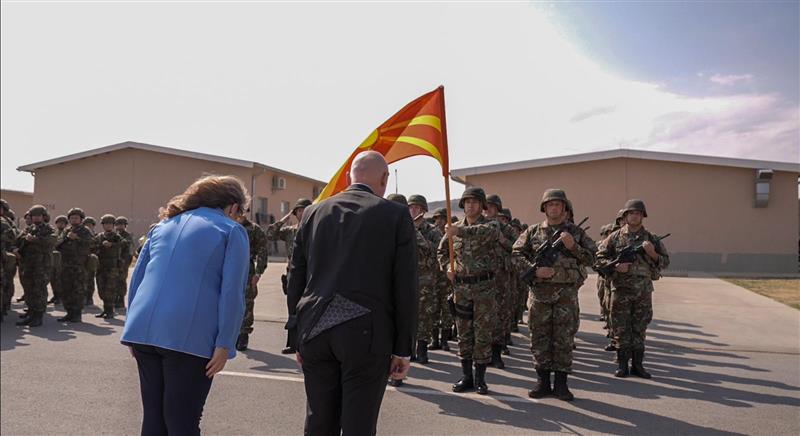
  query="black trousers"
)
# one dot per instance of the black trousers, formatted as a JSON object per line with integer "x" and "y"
{"x": 344, "y": 381}
{"x": 174, "y": 390}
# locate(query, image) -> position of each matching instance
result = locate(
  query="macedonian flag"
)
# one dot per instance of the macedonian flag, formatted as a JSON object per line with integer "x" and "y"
{"x": 418, "y": 129}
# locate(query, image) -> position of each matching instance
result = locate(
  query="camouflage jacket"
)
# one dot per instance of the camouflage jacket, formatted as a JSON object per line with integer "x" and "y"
{"x": 258, "y": 248}
{"x": 504, "y": 251}
{"x": 75, "y": 252}
{"x": 37, "y": 252}
{"x": 281, "y": 232}
{"x": 127, "y": 246}
{"x": 570, "y": 265}
{"x": 8, "y": 236}
{"x": 109, "y": 257}
{"x": 426, "y": 260}
{"x": 643, "y": 270}
{"x": 474, "y": 248}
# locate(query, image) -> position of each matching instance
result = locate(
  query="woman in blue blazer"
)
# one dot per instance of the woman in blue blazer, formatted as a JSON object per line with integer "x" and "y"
{"x": 186, "y": 302}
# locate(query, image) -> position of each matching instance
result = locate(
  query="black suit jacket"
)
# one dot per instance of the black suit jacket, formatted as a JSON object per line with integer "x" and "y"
{"x": 362, "y": 247}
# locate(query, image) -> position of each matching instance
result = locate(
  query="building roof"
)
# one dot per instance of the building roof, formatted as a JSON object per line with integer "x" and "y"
{"x": 14, "y": 191}
{"x": 157, "y": 149}
{"x": 460, "y": 174}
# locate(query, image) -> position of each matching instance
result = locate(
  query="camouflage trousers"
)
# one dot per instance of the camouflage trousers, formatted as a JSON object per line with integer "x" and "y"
{"x": 8, "y": 267}
{"x": 602, "y": 289}
{"x": 250, "y": 294}
{"x": 122, "y": 287}
{"x": 631, "y": 312}
{"x": 429, "y": 310}
{"x": 91, "y": 274}
{"x": 522, "y": 298}
{"x": 55, "y": 281}
{"x": 108, "y": 285}
{"x": 73, "y": 287}
{"x": 553, "y": 323}
{"x": 443, "y": 290}
{"x": 35, "y": 284}
{"x": 506, "y": 300}
{"x": 475, "y": 335}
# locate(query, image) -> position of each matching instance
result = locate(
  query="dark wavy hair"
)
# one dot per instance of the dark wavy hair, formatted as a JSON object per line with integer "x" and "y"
{"x": 208, "y": 191}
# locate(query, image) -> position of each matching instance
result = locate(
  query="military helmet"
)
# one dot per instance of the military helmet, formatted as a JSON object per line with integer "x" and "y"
{"x": 506, "y": 213}
{"x": 495, "y": 200}
{"x": 121, "y": 220}
{"x": 301, "y": 203}
{"x": 635, "y": 204}
{"x": 4, "y": 205}
{"x": 569, "y": 206}
{"x": 89, "y": 221}
{"x": 473, "y": 192}
{"x": 62, "y": 218}
{"x": 37, "y": 209}
{"x": 11, "y": 214}
{"x": 419, "y": 201}
{"x": 398, "y": 198}
{"x": 76, "y": 211}
{"x": 553, "y": 194}
{"x": 108, "y": 219}
{"x": 440, "y": 212}
{"x": 620, "y": 214}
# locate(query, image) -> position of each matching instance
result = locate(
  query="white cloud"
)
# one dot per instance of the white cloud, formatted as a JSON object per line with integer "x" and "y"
{"x": 730, "y": 79}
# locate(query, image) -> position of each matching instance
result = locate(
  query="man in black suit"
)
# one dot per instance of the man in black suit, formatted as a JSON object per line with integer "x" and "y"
{"x": 352, "y": 298}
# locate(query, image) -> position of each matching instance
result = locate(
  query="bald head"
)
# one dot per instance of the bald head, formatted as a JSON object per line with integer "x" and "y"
{"x": 371, "y": 169}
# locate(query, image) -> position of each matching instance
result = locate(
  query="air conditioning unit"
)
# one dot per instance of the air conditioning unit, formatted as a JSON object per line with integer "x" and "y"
{"x": 278, "y": 183}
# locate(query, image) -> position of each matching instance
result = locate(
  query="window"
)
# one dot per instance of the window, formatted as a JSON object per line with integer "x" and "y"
{"x": 284, "y": 207}
{"x": 763, "y": 179}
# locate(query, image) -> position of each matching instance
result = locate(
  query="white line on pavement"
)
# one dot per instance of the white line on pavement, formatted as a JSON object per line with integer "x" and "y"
{"x": 407, "y": 390}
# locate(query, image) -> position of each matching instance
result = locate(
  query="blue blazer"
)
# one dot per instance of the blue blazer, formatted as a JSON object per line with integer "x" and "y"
{"x": 187, "y": 290}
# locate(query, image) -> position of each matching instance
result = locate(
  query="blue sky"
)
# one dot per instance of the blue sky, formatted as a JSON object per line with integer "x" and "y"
{"x": 299, "y": 86}
{"x": 682, "y": 45}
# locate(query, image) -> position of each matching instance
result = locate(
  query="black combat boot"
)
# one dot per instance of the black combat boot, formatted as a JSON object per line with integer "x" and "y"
{"x": 242, "y": 342}
{"x": 467, "y": 382}
{"x": 101, "y": 314}
{"x": 435, "y": 344}
{"x": 560, "y": 388}
{"x": 66, "y": 317}
{"x": 446, "y": 337}
{"x": 36, "y": 320}
{"x": 422, "y": 351}
{"x": 76, "y": 316}
{"x": 610, "y": 347}
{"x": 26, "y": 319}
{"x": 25, "y": 314}
{"x": 395, "y": 382}
{"x": 542, "y": 388}
{"x": 497, "y": 360}
{"x": 480, "y": 379}
{"x": 637, "y": 368}
{"x": 110, "y": 313}
{"x": 622, "y": 359}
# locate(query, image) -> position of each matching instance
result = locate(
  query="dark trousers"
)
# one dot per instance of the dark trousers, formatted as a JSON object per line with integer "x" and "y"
{"x": 174, "y": 390}
{"x": 344, "y": 381}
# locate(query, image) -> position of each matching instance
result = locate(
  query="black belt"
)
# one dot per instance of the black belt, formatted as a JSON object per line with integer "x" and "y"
{"x": 476, "y": 278}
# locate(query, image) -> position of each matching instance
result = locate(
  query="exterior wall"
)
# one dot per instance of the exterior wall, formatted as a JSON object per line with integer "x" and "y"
{"x": 708, "y": 209}
{"x": 19, "y": 201}
{"x": 135, "y": 183}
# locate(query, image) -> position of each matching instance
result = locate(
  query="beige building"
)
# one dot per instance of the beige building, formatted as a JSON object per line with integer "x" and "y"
{"x": 20, "y": 201}
{"x": 725, "y": 215}
{"x": 134, "y": 180}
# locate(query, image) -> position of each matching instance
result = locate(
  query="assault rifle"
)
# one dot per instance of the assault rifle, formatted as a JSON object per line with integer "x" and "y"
{"x": 547, "y": 254}
{"x": 626, "y": 255}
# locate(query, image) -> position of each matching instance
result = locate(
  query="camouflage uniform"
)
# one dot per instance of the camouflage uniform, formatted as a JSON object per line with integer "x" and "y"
{"x": 110, "y": 266}
{"x": 258, "y": 264}
{"x": 444, "y": 288}
{"x": 8, "y": 262}
{"x": 631, "y": 293}
{"x": 127, "y": 258}
{"x": 74, "y": 259}
{"x": 553, "y": 302}
{"x": 92, "y": 262}
{"x": 55, "y": 275}
{"x": 35, "y": 257}
{"x": 430, "y": 304}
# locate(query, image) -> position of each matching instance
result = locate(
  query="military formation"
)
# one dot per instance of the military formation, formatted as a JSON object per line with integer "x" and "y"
{"x": 478, "y": 275}
{"x": 70, "y": 257}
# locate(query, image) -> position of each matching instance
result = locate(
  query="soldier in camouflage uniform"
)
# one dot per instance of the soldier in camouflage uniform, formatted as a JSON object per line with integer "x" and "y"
{"x": 121, "y": 227}
{"x": 74, "y": 245}
{"x": 55, "y": 275}
{"x": 517, "y": 306}
{"x": 279, "y": 231}
{"x": 603, "y": 288}
{"x": 108, "y": 247}
{"x": 444, "y": 288}
{"x": 92, "y": 263}
{"x": 632, "y": 286}
{"x": 35, "y": 246}
{"x": 475, "y": 245}
{"x": 504, "y": 283}
{"x": 554, "y": 292}
{"x": 8, "y": 261}
{"x": 258, "y": 264}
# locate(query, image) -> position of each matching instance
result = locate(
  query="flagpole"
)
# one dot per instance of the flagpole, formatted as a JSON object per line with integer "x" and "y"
{"x": 447, "y": 183}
